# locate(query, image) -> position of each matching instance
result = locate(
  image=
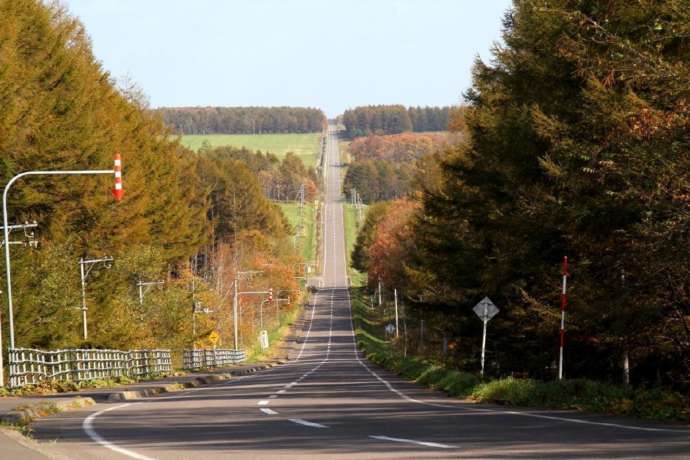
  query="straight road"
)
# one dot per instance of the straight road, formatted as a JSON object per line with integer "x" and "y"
{"x": 330, "y": 403}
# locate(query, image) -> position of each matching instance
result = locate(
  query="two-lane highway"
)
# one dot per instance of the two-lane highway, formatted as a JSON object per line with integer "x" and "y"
{"x": 328, "y": 402}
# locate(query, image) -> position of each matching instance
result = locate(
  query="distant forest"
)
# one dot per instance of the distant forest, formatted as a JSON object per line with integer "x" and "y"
{"x": 394, "y": 119}
{"x": 243, "y": 120}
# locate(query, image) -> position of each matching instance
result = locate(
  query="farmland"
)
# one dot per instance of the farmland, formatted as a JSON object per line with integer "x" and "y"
{"x": 306, "y": 146}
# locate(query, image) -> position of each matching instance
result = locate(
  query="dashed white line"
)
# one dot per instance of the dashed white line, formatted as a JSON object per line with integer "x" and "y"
{"x": 412, "y": 441}
{"x": 268, "y": 411}
{"x": 263, "y": 402}
{"x": 300, "y": 421}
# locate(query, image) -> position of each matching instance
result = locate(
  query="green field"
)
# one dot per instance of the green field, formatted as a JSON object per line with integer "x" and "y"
{"x": 307, "y": 240}
{"x": 306, "y": 146}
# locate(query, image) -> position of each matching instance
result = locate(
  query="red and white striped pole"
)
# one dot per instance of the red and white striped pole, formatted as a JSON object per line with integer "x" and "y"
{"x": 118, "y": 191}
{"x": 564, "y": 304}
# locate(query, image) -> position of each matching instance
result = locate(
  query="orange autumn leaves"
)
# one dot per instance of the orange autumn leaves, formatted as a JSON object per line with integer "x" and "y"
{"x": 391, "y": 243}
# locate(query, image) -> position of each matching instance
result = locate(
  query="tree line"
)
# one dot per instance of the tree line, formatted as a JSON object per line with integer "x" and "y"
{"x": 280, "y": 180}
{"x": 386, "y": 167}
{"x": 188, "y": 220}
{"x": 577, "y": 145}
{"x": 394, "y": 119}
{"x": 243, "y": 120}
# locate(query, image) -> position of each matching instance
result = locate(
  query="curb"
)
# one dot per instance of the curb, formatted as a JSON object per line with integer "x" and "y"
{"x": 26, "y": 413}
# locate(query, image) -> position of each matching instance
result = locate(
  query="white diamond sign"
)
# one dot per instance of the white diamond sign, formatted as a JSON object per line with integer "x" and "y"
{"x": 485, "y": 309}
{"x": 390, "y": 329}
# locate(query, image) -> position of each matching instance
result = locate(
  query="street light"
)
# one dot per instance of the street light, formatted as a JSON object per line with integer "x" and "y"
{"x": 235, "y": 305}
{"x": 235, "y": 299}
{"x": 89, "y": 264}
{"x": 117, "y": 192}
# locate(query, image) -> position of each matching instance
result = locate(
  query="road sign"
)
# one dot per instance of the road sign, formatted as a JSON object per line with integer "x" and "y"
{"x": 263, "y": 339}
{"x": 213, "y": 337}
{"x": 485, "y": 309}
{"x": 390, "y": 329}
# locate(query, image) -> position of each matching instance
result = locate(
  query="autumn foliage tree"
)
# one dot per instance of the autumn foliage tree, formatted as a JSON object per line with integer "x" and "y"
{"x": 62, "y": 111}
{"x": 577, "y": 145}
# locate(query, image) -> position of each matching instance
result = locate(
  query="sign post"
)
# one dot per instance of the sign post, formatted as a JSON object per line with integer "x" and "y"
{"x": 564, "y": 304}
{"x": 485, "y": 310}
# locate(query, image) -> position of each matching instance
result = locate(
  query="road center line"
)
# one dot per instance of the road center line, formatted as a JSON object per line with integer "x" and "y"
{"x": 412, "y": 441}
{"x": 311, "y": 321}
{"x": 300, "y": 421}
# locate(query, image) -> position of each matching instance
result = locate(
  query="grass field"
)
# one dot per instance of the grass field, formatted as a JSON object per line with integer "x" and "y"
{"x": 306, "y": 146}
{"x": 307, "y": 240}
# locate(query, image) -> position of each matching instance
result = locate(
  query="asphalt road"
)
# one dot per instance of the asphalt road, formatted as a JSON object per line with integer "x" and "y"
{"x": 330, "y": 403}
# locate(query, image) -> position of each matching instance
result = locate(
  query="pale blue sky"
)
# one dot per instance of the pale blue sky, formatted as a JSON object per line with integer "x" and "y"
{"x": 319, "y": 53}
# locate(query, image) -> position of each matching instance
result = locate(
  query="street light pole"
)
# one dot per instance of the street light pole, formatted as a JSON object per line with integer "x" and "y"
{"x": 89, "y": 264}
{"x": 6, "y": 232}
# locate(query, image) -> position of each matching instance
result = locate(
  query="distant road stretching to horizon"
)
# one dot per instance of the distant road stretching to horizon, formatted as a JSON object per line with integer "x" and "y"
{"x": 328, "y": 402}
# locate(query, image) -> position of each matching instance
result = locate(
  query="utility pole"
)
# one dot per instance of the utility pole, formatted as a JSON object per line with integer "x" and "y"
{"x": 89, "y": 264}
{"x": 144, "y": 284}
{"x": 234, "y": 311}
{"x": 31, "y": 242}
{"x": 395, "y": 295}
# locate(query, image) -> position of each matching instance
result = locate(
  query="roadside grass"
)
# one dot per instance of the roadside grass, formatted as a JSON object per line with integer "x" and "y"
{"x": 307, "y": 238}
{"x": 576, "y": 394}
{"x": 351, "y": 229}
{"x": 305, "y": 146}
{"x": 276, "y": 337}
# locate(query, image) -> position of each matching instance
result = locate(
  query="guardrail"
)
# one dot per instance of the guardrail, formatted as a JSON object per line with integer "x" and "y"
{"x": 204, "y": 359}
{"x": 29, "y": 366}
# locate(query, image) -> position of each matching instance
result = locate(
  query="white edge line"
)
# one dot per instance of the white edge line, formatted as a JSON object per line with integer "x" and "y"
{"x": 523, "y": 414}
{"x": 412, "y": 441}
{"x": 268, "y": 411}
{"x": 300, "y": 421}
{"x": 87, "y": 426}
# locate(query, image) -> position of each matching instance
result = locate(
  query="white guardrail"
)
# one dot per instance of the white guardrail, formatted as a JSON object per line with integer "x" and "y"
{"x": 204, "y": 359}
{"x": 29, "y": 366}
